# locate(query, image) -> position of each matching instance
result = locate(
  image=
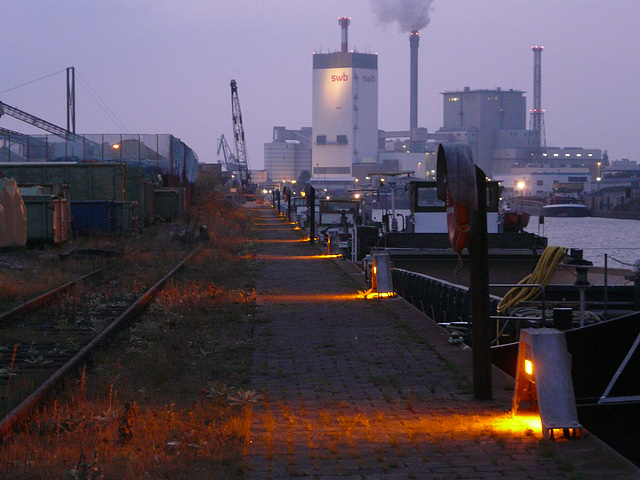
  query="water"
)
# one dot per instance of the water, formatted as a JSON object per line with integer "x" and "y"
{"x": 619, "y": 239}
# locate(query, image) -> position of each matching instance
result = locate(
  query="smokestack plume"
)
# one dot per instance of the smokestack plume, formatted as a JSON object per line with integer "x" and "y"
{"x": 410, "y": 14}
{"x": 344, "y": 25}
{"x": 414, "y": 40}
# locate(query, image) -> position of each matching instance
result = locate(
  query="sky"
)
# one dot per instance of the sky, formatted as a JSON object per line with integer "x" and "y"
{"x": 164, "y": 66}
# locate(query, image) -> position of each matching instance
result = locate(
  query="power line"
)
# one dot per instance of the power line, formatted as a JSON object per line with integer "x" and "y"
{"x": 105, "y": 108}
{"x": 32, "y": 81}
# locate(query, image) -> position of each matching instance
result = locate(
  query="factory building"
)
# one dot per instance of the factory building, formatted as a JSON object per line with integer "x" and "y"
{"x": 345, "y": 143}
{"x": 479, "y": 117}
{"x": 344, "y": 111}
{"x": 288, "y": 155}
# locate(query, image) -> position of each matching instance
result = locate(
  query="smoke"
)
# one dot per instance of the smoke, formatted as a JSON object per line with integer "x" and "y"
{"x": 410, "y": 14}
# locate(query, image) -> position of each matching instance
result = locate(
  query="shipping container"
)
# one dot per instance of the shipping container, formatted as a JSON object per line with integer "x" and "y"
{"x": 168, "y": 203}
{"x": 87, "y": 181}
{"x": 47, "y": 217}
{"x": 140, "y": 189}
{"x": 92, "y": 216}
{"x": 125, "y": 218}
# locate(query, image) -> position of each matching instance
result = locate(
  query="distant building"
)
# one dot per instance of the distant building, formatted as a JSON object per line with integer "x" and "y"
{"x": 479, "y": 117}
{"x": 288, "y": 155}
{"x": 545, "y": 181}
{"x": 344, "y": 113}
{"x": 493, "y": 123}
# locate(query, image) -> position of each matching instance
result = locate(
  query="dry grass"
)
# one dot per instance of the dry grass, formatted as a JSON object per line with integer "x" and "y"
{"x": 169, "y": 398}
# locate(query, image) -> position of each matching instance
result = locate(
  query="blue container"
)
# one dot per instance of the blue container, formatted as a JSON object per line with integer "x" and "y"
{"x": 93, "y": 216}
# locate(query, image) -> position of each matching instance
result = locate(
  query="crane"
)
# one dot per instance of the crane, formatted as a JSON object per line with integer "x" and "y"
{"x": 238, "y": 133}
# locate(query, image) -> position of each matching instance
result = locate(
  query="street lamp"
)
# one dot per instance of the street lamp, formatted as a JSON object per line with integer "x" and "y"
{"x": 520, "y": 186}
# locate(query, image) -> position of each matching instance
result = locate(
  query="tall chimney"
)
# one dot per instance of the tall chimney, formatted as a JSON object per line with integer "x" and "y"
{"x": 344, "y": 24}
{"x": 537, "y": 140}
{"x": 414, "y": 39}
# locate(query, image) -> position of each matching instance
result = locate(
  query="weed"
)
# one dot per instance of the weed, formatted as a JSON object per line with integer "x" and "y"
{"x": 84, "y": 470}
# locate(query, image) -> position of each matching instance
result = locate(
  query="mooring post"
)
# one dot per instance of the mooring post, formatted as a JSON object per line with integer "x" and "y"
{"x": 311, "y": 211}
{"x": 479, "y": 287}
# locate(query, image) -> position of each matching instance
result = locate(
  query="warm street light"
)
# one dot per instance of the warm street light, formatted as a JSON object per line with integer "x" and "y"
{"x": 520, "y": 185}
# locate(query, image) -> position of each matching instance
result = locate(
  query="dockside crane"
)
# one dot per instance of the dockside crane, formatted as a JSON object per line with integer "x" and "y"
{"x": 229, "y": 159}
{"x": 238, "y": 134}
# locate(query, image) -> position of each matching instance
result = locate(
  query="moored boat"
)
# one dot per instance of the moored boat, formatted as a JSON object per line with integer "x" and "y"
{"x": 566, "y": 210}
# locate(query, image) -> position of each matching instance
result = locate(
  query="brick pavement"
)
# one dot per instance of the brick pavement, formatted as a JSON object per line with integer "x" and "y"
{"x": 371, "y": 389}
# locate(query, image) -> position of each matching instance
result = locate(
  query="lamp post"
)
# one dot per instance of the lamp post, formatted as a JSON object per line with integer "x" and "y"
{"x": 520, "y": 185}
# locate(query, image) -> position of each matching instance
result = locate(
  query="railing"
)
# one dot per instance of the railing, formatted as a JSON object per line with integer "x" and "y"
{"x": 442, "y": 301}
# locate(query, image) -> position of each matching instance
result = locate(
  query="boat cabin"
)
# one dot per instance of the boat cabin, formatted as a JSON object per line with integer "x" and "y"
{"x": 429, "y": 213}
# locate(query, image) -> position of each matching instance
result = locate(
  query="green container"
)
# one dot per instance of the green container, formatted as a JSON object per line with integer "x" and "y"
{"x": 126, "y": 217}
{"x": 47, "y": 218}
{"x": 87, "y": 181}
{"x": 168, "y": 203}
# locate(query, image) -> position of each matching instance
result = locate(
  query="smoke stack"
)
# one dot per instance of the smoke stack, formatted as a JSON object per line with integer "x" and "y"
{"x": 414, "y": 40}
{"x": 344, "y": 25}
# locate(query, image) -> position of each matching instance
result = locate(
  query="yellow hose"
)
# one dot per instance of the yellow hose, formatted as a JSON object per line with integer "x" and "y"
{"x": 549, "y": 260}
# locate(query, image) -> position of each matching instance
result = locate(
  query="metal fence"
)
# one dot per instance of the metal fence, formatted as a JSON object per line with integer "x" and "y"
{"x": 155, "y": 153}
{"x": 442, "y": 301}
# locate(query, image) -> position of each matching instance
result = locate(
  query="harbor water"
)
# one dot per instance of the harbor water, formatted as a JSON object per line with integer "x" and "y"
{"x": 596, "y": 236}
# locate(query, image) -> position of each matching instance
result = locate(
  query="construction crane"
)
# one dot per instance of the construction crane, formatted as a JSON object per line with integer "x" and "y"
{"x": 238, "y": 134}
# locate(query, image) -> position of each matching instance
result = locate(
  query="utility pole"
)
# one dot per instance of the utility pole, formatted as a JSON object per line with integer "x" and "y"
{"x": 71, "y": 99}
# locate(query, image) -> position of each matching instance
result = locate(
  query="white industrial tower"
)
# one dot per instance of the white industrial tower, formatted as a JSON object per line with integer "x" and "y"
{"x": 345, "y": 110}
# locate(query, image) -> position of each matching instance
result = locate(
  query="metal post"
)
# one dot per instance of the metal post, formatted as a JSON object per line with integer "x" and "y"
{"x": 606, "y": 287}
{"x": 278, "y": 200}
{"x": 479, "y": 287}
{"x": 71, "y": 99}
{"x": 311, "y": 211}
{"x": 289, "y": 205}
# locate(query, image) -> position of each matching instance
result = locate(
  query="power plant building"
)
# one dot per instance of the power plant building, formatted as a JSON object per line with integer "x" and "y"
{"x": 288, "y": 155}
{"x": 344, "y": 111}
{"x": 480, "y": 117}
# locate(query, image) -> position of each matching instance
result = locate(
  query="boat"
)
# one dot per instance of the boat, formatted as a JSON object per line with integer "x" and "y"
{"x": 565, "y": 206}
{"x": 566, "y": 210}
{"x": 421, "y": 239}
{"x": 515, "y": 221}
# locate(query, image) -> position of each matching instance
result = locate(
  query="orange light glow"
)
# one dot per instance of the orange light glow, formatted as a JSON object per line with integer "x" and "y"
{"x": 370, "y": 295}
{"x": 528, "y": 367}
{"x": 308, "y": 298}
{"x": 520, "y": 423}
{"x": 283, "y": 241}
{"x": 295, "y": 257}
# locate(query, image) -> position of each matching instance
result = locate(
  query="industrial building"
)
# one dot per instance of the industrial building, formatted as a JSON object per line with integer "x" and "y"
{"x": 288, "y": 155}
{"x": 344, "y": 110}
{"x": 345, "y": 143}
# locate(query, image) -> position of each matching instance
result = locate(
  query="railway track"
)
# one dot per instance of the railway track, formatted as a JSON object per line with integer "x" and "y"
{"x": 44, "y": 340}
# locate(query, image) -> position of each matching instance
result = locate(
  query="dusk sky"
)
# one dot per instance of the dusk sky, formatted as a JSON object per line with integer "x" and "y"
{"x": 164, "y": 66}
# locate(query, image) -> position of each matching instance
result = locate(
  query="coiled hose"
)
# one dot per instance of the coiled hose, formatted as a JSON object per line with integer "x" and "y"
{"x": 549, "y": 260}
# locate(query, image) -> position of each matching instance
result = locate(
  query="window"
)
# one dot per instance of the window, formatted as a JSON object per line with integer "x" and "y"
{"x": 540, "y": 183}
{"x": 321, "y": 139}
{"x": 342, "y": 139}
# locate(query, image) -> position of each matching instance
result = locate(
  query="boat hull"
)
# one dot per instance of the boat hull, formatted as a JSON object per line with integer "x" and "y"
{"x": 566, "y": 210}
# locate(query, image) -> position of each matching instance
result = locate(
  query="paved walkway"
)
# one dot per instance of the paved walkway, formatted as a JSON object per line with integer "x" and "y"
{"x": 371, "y": 389}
